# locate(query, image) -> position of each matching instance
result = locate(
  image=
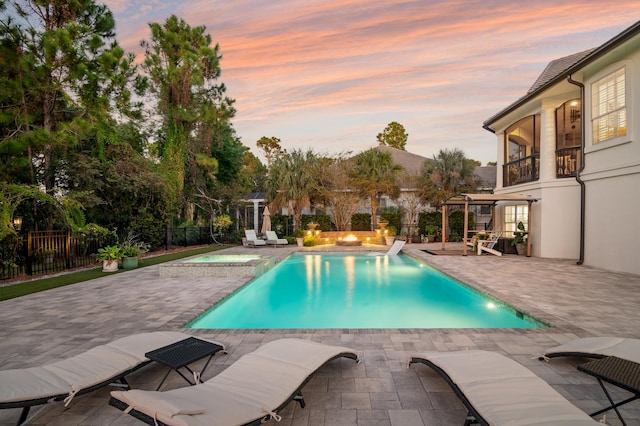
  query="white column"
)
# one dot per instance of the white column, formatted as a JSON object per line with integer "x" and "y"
{"x": 500, "y": 159}
{"x": 547, "y": 142}
{"x": 256, "y": 209}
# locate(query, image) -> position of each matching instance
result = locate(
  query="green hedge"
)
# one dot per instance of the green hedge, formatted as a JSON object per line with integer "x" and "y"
{"x": 394, "y": 217}
{"x": 361, "y": 222}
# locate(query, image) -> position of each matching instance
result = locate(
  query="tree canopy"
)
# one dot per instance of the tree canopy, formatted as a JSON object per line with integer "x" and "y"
{"x": 374, "y": 173}
{"x": 394, "y": 135}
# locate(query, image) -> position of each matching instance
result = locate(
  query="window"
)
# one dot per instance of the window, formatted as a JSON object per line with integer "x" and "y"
{"x": 522, "y": 151}
{"x": 609, "y": 108}
{"x": 568, "y": 138}
{"x": 523, "y": 138}
{"x": 568, "y": 124}
{"x": 515, "y": 214}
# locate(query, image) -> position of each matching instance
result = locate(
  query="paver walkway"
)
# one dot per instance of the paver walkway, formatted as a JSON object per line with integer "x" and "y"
{"x": 576, "y": 300}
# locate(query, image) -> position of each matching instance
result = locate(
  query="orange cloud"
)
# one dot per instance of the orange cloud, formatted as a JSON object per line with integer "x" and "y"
{"x": 355, "y": 65}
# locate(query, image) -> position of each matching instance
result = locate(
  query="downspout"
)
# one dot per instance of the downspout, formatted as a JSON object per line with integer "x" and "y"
{"x": 580, "y": 169}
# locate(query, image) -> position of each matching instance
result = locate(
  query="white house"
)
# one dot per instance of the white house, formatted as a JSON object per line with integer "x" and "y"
{"x": 573, "y": 142}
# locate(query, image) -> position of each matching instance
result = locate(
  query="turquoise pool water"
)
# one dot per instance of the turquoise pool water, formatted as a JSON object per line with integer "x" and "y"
{"x": 343, "y": 290}
{"x": 223, "y": 258}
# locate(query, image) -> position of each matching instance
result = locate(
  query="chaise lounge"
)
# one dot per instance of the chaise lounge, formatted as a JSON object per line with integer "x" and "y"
{"x": 597, "y": 347}
{"x": 88, "y": 371}
{"x": 252, "y": 238}
{"x": 497, "y": 390}
{"x": 272, "y": 239}
{"x": 252, "y": 390}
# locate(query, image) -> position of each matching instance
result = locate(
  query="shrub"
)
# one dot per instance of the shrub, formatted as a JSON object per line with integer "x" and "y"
{"x": 393, "y": 217}
{"x": 361, "y": 222}
{"x": 309, "y": 241}
{"x": 456, "y": 222}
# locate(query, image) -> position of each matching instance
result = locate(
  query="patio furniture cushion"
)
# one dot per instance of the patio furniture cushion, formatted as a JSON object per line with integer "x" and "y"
{"x": 253, "y": 388}
{"x": 81, "y": 373}
{"x": 598, "y": 347}
{"x": 499, "y": 391}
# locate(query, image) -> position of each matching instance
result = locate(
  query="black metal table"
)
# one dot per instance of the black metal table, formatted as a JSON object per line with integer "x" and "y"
{"x": 180, "y": 354}
{"x": 618, "y": 372}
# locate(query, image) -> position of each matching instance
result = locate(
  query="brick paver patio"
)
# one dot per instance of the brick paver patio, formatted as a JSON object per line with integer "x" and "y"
{"x": 577, "y": 301}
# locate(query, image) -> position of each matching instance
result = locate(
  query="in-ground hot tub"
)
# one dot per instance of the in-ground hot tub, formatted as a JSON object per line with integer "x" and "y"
{"x": 217, "y": 265}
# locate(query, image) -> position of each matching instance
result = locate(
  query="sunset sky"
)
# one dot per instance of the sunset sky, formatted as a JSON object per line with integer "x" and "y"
{"x": 330, "y": 75}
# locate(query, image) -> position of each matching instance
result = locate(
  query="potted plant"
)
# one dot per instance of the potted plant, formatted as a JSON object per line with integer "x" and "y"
{"x": 390, "y": 234}
{"x": 432, "y": 231}
{"x": 298, "y": 234}
{"x": 131, "y": 249}
{"x": 109, "y": 256}
{"x": 520, "y": 239}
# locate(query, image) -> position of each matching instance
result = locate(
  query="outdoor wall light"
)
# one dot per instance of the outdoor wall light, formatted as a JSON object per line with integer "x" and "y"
{"x": 17, "y": 223}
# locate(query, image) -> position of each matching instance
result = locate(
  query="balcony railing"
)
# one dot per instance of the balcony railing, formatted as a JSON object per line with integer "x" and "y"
{"x": 521, "y": 171}
{"x": 567, "y": 161}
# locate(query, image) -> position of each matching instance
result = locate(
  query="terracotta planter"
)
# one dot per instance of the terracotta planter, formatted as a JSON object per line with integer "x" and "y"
{"x": 522, "y": 249}
{"x": 110, "y": 265}
{"x": 389, "y": 240}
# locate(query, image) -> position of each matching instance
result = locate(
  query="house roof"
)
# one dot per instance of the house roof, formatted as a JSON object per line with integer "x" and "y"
{"x": 412, "y": 163}
{"x": 562, "y": 68}
{"x": 557, "y": 67}
{"x": 252, "y": 196}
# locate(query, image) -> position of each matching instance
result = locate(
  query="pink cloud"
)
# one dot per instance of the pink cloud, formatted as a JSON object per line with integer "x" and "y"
{"x": 442, "y": 66}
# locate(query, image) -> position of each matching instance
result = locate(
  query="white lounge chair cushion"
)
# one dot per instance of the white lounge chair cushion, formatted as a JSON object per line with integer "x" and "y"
{"x": 30, "y": 383}
{"x": 93, "y": 367}
{"x": 504, "y": 392}
{"x": 620, "y": 347}
{"x": 252, "y": 387}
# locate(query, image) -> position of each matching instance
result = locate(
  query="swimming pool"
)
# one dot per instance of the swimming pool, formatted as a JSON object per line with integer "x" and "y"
{"x": 223, "y": 258}
{"x": 344, "y": 290}
{"x": 218, "y": 265}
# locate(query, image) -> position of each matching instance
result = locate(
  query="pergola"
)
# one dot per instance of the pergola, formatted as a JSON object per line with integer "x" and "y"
{"x": 482, "y": 199}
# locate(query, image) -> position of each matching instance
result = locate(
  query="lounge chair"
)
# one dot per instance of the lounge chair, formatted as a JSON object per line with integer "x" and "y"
{"x": 272, "y": 239}
{"x": 497, "y": 390}
{"x": 252, "y": 238}
{"x": 396, "y": 247}
{"x": 488, "y": 245}
{"x": 90, "y": 370}
{"x": 253, "y": 389}
{"x": 597, "y": 347}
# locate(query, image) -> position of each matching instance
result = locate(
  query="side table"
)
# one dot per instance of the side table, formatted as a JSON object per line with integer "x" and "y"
{"x": 618, "y": 372}
{"x": 180, "y": 354}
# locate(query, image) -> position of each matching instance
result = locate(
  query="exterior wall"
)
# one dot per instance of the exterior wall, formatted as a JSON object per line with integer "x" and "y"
{"x": 612, "y": 223}
{"x": 555, "y": 218}
{"x": 611, "y": 173}
{"x": 559, "y": 234}
{"x": 612, "y": 179}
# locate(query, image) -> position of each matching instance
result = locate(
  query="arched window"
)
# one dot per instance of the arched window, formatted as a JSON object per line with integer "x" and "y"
{"x": 522, "y": 148}
{"x": 568, "y": 138}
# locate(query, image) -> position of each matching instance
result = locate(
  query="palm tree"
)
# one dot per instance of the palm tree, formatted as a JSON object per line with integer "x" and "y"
{"x": 291, "y": 180}
{"x": 451, "y": 173}
{"x": 374, "y": 173}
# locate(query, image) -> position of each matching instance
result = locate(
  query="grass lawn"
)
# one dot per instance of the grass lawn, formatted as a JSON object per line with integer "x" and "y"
{"x": 34, "y": 286}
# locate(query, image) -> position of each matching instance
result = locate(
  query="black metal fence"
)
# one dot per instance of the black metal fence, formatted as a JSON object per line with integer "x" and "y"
{"x": 47, "y": 252}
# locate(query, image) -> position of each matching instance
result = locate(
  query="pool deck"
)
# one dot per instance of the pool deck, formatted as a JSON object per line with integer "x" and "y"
{"x": 578, "y": 301}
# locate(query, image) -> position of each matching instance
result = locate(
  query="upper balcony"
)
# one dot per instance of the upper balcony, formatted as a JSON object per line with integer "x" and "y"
{"x": 520, "y": 171}
{"x": 567, "y": 162}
